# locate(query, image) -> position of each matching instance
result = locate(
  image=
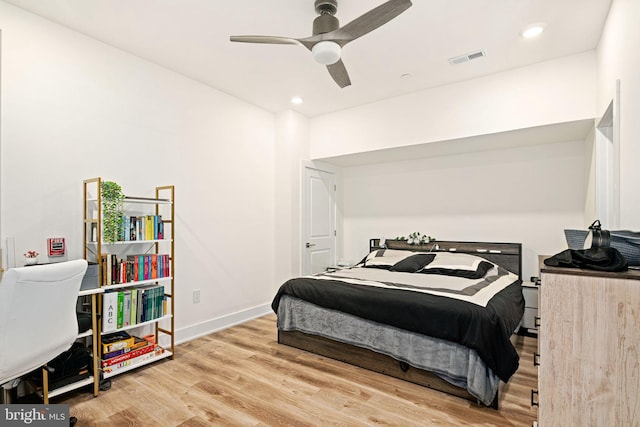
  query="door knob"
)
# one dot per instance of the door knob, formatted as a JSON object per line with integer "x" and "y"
{"x": 308, "y": 245}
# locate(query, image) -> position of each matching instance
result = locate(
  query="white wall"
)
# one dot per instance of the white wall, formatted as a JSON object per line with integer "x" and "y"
{"x": 618, "y": 58}
{"x": 526, "y": 195}
{"x": 292, "y": 147}
{"x": 74, "y": 108}
{"x": 590, "y": 176}
{"x": 551, "y": 92}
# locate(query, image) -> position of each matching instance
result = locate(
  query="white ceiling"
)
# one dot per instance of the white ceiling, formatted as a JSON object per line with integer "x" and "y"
{"x": 192, "y": 37}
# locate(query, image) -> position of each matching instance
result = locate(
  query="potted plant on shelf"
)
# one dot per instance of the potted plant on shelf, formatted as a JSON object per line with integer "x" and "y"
{"x": 417, "y": 238}
{"x": 31, "y": 257}
{"x": 112, "y": 208}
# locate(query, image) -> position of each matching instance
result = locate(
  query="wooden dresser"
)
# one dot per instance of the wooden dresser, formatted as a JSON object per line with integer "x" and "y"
{"x": 589, "y": 348}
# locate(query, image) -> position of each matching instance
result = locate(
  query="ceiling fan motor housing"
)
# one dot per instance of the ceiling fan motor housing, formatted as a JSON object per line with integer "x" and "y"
{"x": 325, "y": 24}
{"x": 326, "y": 21}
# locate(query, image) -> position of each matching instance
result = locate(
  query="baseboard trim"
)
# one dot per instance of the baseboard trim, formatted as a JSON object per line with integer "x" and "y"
{"x": 210, "y": 326}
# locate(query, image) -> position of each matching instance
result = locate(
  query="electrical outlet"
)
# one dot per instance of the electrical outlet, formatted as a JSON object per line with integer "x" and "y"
{"x": 196, "y": 296}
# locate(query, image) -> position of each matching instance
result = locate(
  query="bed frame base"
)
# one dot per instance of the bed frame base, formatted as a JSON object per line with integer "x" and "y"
{"x": 373, "y": 361}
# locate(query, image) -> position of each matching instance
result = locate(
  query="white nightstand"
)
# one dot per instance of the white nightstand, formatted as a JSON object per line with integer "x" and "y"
{"x": 530, "y": 292}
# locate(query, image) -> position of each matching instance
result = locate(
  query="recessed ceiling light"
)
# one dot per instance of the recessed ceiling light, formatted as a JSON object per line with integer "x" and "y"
{"x": 532, "y": 31}
{"x": 296, "y": 100}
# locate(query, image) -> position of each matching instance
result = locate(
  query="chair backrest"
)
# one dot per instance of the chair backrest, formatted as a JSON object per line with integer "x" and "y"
{"x": 37, "y": 315}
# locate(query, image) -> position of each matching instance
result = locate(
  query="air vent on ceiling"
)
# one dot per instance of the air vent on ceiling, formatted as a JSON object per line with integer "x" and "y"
{"x": 468, "y": 57}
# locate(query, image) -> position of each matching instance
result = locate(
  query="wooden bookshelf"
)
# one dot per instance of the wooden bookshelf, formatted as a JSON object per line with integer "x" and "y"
{"x": 161, "y": 207}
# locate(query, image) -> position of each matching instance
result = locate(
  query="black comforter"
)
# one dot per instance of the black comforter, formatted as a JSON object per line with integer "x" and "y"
{"x": 484, "y": 329}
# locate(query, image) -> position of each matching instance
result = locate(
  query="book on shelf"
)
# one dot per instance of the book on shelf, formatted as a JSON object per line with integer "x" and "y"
{"x": 146, "y": 267}
{"x": 106, "y": 269}
{"x": 139, "y": 230}
{"x": 149, "y": 306}
{"x": 109, "y": 311}
{"x": 113, "y": 369}
{"x": 134, "y": 268}
{"x": 116, "y": 341}
{"x": 134, "y": 306}
{"x": 154, "y": 266}
{"x": 138, "y": 227}
{"x": 130, "y": 306}
{"x": 163, "y": 269}
{"x": 126, "y": 309}
{"x": 149, "y": 312}
{"x": 120, "y": 312}
{"x": 131, "y": 229}
{"x": 149, "y": 228}
{"x": 140, "y": 308}
{"x": 126, "y": 235}
{"x": 114, "y": 269}
{"x": 132, "y": 354}
{"x": 113, "y": 261}
{"x": 137, "y": 343}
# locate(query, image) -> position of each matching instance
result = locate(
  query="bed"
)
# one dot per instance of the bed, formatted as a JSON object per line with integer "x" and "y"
{"x": 440, "y": 315}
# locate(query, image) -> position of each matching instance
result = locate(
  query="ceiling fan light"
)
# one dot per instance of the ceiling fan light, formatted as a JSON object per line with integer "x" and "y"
{"x": 326, "y": 52}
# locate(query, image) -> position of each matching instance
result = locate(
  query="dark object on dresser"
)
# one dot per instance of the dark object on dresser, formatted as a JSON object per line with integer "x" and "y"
{"x": 624, "y": 241}
{"x": 600, "y": 259}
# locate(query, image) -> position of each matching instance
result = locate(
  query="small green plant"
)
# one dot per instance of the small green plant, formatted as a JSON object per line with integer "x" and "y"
{"x": 112, "y": 208}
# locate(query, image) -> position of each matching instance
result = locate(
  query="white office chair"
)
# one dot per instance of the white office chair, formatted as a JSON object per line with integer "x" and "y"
{"x": 37, "y": 315}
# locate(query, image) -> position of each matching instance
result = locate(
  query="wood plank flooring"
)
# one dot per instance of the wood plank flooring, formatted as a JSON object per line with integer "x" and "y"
{"x": 242, "y": 377}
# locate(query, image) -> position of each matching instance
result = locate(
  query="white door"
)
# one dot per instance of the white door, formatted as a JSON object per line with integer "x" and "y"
{"x": 319, "y": 220}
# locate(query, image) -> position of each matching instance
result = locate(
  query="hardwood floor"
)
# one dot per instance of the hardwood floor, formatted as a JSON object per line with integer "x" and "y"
{"x": 242, "y": 377}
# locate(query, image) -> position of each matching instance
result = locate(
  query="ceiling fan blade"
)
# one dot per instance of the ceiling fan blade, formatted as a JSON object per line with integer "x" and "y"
{"x": 339, "y": 73}
{"x": 368, "y": 22}
{"x": 264, "y": 39}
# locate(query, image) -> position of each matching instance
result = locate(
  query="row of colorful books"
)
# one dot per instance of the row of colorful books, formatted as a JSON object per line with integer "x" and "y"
{"x": 128, "y": 307}
{"x": 146, "y": 227}
{"x": 134, "y": 268}
{"x": 120, "y": 350}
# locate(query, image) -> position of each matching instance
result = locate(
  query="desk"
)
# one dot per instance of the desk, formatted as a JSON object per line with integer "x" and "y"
{"x": 89, "y": 288}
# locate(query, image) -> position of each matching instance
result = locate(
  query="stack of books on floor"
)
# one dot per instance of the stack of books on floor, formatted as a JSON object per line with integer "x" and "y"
{"x": 120, "y": 350}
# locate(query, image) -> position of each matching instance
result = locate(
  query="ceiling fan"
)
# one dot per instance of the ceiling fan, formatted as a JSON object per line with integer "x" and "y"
{"x": 329, "y": 38}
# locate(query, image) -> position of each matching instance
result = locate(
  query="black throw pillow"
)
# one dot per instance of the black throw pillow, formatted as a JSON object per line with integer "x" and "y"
{"x": 413, "y": 263}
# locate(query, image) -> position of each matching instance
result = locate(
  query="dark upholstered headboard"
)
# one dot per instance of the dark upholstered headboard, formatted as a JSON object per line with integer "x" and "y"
{"x": 506, "y": 255}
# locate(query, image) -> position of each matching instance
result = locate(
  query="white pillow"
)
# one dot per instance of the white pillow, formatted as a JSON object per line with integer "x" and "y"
{"x": 385, "y": 258}
{"x": 455, "y": 261}
{"x": 460, "y": 265}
